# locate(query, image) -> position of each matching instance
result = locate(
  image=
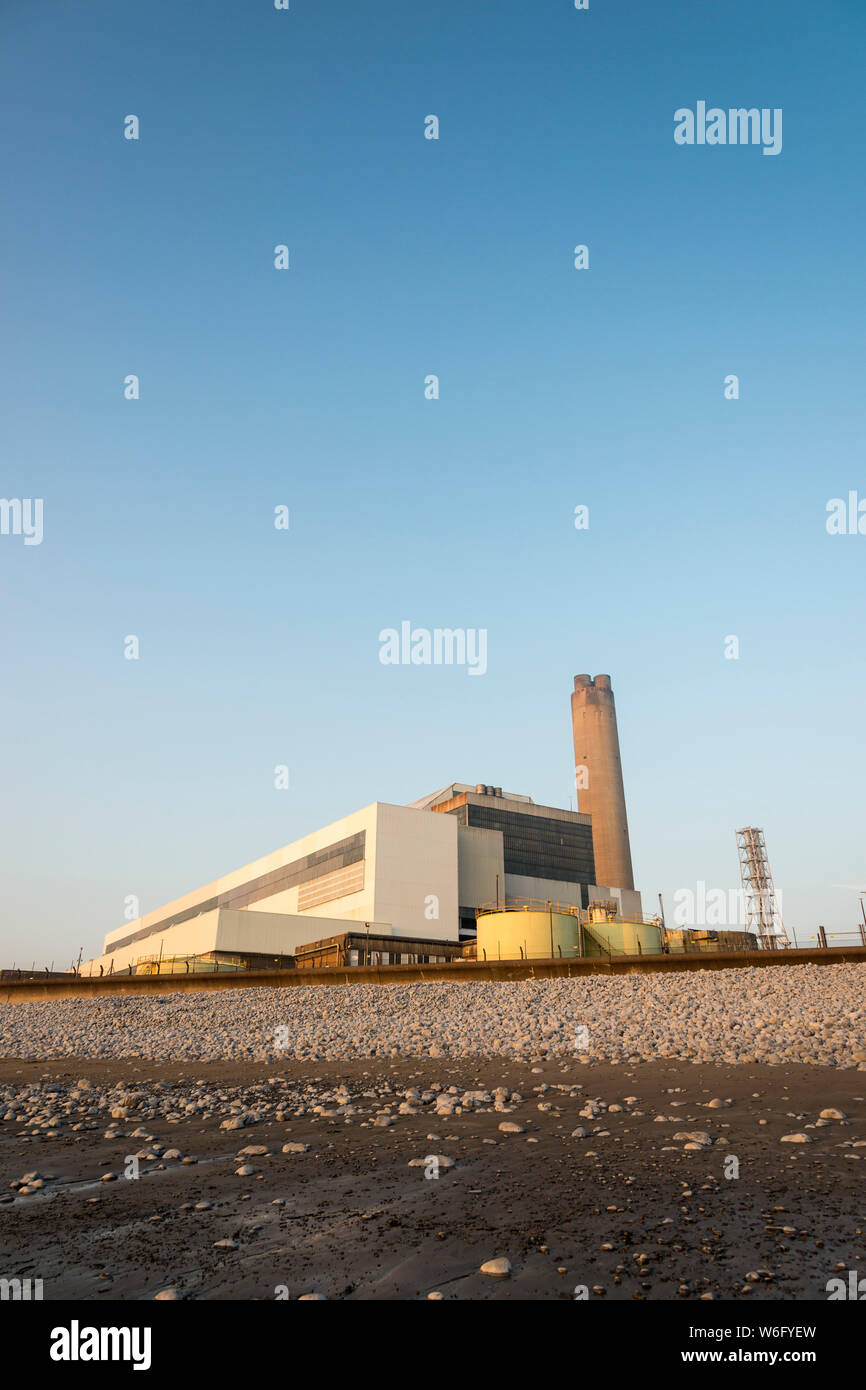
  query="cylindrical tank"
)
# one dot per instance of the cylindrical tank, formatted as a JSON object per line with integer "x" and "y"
{"x": 600, "y": 791}
{"x": 519, "y": 934}
{"x": 622, "y": 939}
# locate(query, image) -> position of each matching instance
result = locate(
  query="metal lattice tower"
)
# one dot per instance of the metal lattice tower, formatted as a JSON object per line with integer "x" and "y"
{"x": 763, "y": 915}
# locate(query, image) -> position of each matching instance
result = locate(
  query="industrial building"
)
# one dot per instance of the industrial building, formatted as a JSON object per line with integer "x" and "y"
{"x": 416, "y": 879}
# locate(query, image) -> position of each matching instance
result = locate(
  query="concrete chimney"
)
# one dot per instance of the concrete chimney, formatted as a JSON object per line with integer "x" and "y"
{"x": 598, "y": 771}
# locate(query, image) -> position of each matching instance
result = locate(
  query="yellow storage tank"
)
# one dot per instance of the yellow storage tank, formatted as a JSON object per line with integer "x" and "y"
{"x": 533, "y": 934}
{"x": 622, "y": 939}
{"x": 525, "y": 935}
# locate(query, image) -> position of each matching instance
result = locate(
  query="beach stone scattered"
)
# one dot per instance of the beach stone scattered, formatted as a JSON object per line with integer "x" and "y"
{"x": 803, "y": 1014}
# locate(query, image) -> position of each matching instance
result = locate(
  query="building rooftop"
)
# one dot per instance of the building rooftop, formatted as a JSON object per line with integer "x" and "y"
{"x": 426, "y": 803}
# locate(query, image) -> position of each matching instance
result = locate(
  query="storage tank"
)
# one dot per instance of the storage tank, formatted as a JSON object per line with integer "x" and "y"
{"x": 538, "y": 933}
{"x": 526, "y": 935}
{"x": 622, "y": 939}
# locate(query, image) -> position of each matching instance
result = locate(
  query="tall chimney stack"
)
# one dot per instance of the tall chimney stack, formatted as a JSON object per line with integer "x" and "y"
{"x": 598, "y": 771}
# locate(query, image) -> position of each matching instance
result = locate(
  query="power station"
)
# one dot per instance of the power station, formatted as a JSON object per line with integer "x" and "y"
{"x": 467, "y": 870}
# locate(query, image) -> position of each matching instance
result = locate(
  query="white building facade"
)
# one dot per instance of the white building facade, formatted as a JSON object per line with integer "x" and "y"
{"x": 418, "y": 872}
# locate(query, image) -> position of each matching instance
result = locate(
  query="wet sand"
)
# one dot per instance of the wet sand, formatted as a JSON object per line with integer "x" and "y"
{"x": 358, "y": 1223}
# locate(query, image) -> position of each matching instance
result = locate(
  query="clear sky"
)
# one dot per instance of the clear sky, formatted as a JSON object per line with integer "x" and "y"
{"x": 305, "y": 388}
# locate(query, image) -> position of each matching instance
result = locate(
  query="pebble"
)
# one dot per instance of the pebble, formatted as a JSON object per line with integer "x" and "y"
{"x": 499, "y": 1268}
{"x": 791, "y": 1014}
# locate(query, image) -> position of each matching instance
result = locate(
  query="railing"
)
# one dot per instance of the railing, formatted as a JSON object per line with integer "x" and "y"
{"x": 529, "y": 905}
{"x": 583, "y": 914}
{"x": 827, "y": 939}
{"x": 186, "y": 965}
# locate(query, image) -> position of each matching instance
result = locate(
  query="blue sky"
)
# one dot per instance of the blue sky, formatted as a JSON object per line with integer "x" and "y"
{"x": 306, "y": 388}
